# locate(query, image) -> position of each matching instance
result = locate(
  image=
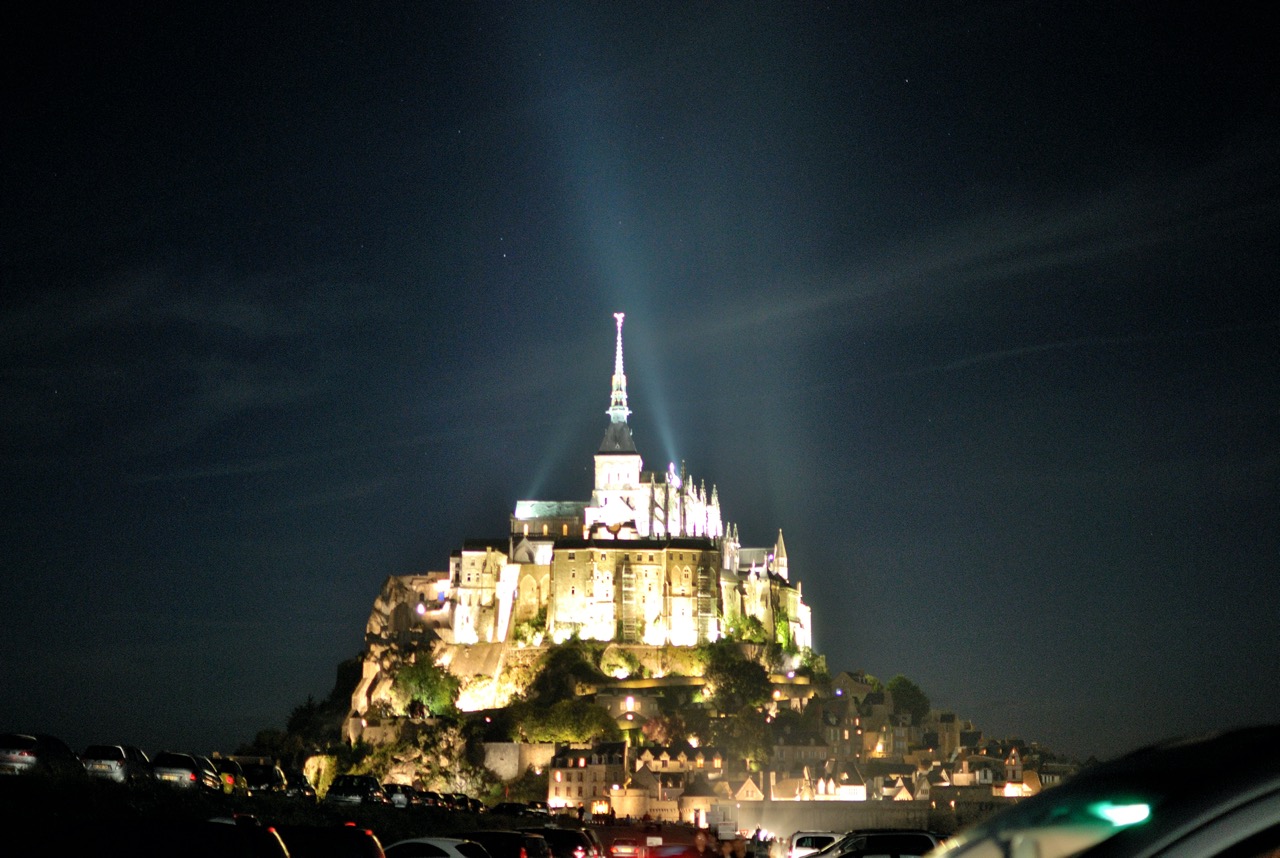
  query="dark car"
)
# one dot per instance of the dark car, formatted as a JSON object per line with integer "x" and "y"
{"x": 511, "y": 844}
{"x": 37, "y": 753}
{"x": 161, "y": 837}
{"x": 297, "y": 786}
{"x": 186, "y": 771}
{"x": 1216, "y": 795}
{"x": 402, "y": 795}
{"x": 263, "y": 776}
{"x": 885, "y": 842}
{"x": 119, "y": 763}
{"x": 355, "y": 789}
{"x": 565, "y": 842}
{"x": 330, "y": 841}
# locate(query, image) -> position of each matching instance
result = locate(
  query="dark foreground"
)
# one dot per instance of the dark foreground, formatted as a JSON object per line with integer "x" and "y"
{"x": 41, "y": 815}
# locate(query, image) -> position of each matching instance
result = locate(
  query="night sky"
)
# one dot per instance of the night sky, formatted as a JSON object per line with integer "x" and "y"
{"x": 976, "y": 301}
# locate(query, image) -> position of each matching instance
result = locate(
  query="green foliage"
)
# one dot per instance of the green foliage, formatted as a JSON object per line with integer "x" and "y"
{"x": 566, "y": 721}
{"x": 424, "y": 683}
{"x": 562, "y": 669}
{"x": 908, "y": 698}
{"x": 782, "y": 629}
{"x": 746, "y": 629}
{"x": 617, "y": 661}
{"x": 528, "y": 631}
{"x": 733, "y": 680}
{"x": 744, "y": 736}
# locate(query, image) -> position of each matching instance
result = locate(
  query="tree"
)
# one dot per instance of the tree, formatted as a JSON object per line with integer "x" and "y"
{"x": 434, "y": 688}
{"x": 747, "y": 629}
{"x": 744, "y": 735}
{"x": 733, "y": 680}
{"x": 908, "y": 698}
{"x": 566, "y": 721}
{"x": 664, "y": 729}
{"x": 562, "y": 669}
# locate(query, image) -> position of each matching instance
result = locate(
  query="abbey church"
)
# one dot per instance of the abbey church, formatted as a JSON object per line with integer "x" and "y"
{"x": 647, "y": 560}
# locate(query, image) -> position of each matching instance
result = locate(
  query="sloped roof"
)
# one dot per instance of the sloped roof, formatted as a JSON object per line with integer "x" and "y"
{"x": 617, "y": 439}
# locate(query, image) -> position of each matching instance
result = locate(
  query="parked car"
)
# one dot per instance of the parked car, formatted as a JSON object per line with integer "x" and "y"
{"x": 263, "y": 776}
{"x": 186, "y": 771}
{"x": 884, "y": 842}
{"x": 330, "y": 841}
{"x": 402, "y": 795}
{"x": 436, "y": 847}
{"x": 232, "y": 776}
{"x": 1216, "y": 795}
{"x": 37, "y": 753}
{"x": 159, "y": 837}
{"x": 565, "y": 842}
{"x": 597, "y": 845}
{"x": 804, "y": 843}
{"x": 625, "y": 847}
{"x": 512, "y": 844}
{"x": 355, "y": 789}
{"x": 120, "y": 763}
{"x": 297, "y": 786}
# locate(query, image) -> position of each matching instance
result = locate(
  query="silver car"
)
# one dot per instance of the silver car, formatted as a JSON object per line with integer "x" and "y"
{"x": 36, "y": 753}
{"x": 119, "y": 763}
{"x": 185, "y": 771}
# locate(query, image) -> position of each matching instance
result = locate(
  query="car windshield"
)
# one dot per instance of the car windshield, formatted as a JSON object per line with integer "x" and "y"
{"x": 1066, "y": 822}
{"x": 104, "y": 752}
{"x": 172, "y": 760}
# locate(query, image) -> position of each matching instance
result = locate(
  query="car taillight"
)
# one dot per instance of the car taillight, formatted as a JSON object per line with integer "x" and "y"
{"x": 191, "y": 776}
{"x": 524, "y": 852}
{"x": 579, "y": 852}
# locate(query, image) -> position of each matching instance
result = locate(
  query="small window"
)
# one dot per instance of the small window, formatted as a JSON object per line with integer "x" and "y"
{"x": 571, "y": 555}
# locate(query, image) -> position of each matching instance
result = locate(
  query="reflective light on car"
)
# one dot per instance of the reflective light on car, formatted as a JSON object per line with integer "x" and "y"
{"x": 1121, "y": 815}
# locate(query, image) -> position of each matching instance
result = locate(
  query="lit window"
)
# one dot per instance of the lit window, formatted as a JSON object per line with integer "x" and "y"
{"x": 544, "y": 530}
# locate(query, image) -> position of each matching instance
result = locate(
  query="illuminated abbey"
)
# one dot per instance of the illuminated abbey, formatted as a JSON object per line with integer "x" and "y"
{"x": 647, "y": 560}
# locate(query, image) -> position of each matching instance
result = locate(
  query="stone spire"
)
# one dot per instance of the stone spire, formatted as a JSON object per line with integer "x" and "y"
{"x": 617, "y": 437}
{"x": 618, "y": 409}
{"x": 780, "y": 558}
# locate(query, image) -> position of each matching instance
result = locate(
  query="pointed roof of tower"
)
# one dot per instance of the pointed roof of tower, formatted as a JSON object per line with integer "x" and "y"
{"x": 780, "y": 550}
{"x": 617, "y": 437}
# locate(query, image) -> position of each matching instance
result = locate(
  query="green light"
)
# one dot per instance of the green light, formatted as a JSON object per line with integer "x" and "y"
{"x": 1121, "y": 815}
